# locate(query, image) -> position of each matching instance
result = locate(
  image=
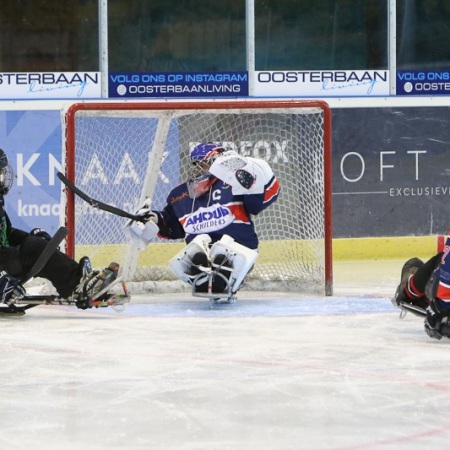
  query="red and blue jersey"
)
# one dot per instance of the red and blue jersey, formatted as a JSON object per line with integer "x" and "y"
{"x": 443, "y": 287}
{"x": 217, "y": 212}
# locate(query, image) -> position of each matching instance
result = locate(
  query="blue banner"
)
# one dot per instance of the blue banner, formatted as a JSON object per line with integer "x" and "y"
{"x": 179, "y": 84}
{"x": 423, "y": 82}
{"x": 32, "y": 142}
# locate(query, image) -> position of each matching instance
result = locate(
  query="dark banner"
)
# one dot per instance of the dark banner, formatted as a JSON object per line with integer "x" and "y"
{"x": 391, "y": 171}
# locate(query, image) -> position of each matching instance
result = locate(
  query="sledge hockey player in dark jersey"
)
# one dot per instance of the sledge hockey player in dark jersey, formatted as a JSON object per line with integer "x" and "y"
{"x": 213, "y": 212}
{"x": 424, "y": 290}
{"x": 20, "y": 249}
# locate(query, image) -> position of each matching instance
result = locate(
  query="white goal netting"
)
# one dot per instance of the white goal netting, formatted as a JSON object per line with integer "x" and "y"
{"x": 121, "y": 154}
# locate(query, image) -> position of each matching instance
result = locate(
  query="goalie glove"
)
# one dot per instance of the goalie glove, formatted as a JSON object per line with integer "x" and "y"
{"x": 245, "y": 175}
{"x": 146, "y": 213}
{"x": 141, "y": 233}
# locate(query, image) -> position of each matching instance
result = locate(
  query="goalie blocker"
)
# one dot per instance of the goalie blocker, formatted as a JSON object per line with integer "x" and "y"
{"x": 141, "y": 232}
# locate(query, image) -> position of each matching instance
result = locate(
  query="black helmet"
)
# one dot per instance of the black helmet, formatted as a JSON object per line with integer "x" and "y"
{"x": 6, "y": 174}
{"x": 3, "y": 159}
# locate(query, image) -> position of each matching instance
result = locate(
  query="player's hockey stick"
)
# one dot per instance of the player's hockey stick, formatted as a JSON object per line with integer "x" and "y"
{"x": 48, "y": 251}
{"x": 97, "y": 204}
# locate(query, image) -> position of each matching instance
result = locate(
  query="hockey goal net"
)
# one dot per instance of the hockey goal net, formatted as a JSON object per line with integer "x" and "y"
{"x": 122, "y": 153}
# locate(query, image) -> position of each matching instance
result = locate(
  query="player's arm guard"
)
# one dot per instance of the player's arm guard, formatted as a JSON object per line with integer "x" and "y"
{"x": 141, "y": 233}
{"x": 244, "y": 175}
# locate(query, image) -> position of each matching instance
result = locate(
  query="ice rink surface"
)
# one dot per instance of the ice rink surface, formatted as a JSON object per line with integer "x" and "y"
{"x": 272, "y": 371}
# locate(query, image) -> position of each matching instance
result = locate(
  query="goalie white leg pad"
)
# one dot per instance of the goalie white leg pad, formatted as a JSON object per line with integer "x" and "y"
{"x": 239, "y": 257}
{"x": 181, "y": 264}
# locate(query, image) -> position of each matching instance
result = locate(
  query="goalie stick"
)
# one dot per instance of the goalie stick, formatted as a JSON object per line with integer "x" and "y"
{"x": 97, "y": 204}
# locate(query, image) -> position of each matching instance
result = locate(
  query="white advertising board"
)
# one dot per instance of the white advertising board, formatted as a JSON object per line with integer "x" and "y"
{"x": 315, "y": 83}
{"x": 49, "y": 85}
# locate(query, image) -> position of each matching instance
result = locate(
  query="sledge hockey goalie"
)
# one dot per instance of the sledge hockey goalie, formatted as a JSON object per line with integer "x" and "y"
{"x": 213, "y": 212}
{"x": 424, "y": 290}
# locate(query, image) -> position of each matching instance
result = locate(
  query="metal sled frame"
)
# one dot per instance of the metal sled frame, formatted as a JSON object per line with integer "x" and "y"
{"x": 416, "y": 310}
{"x": 214, "y": 297}
{"x": 30, "y": 301}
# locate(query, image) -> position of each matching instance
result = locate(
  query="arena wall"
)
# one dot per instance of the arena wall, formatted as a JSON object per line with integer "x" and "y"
{"x": 391, "y": 172}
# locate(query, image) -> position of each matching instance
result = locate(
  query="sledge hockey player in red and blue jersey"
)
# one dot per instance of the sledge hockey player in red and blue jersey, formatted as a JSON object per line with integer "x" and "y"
{"x": 213, "y": 212}
{"x": 424, "y": 290}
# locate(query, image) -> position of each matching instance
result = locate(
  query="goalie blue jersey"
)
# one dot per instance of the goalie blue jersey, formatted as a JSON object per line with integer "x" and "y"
{"x": 216, "y": 213}
{"x": 443, "y": 273}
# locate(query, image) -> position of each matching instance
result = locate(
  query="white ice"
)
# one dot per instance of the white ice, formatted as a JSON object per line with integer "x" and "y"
{"x": 269, "y": 372}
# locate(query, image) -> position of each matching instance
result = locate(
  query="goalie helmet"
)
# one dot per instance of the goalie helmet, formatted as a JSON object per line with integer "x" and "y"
{"x": 6, "y": 174}
{"x": 201, "y": 157}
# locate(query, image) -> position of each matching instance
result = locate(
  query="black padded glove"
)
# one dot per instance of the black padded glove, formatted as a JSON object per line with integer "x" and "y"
{"x": 10, "y": 288}
{"x": 434, "y": 319}
{"x": 39, "y": 232}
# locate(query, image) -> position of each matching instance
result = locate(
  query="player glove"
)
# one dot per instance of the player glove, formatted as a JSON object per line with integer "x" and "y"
{"x": 10, "y": 288}
{"x": 39, "y": 232}
{"x": 433, "y": 320}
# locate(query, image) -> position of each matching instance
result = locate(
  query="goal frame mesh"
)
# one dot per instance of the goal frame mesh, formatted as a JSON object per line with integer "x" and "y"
{"x": 69, "y": 154}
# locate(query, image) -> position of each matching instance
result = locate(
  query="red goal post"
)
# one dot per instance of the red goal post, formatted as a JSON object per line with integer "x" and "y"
{"x": 123, "y": 152}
